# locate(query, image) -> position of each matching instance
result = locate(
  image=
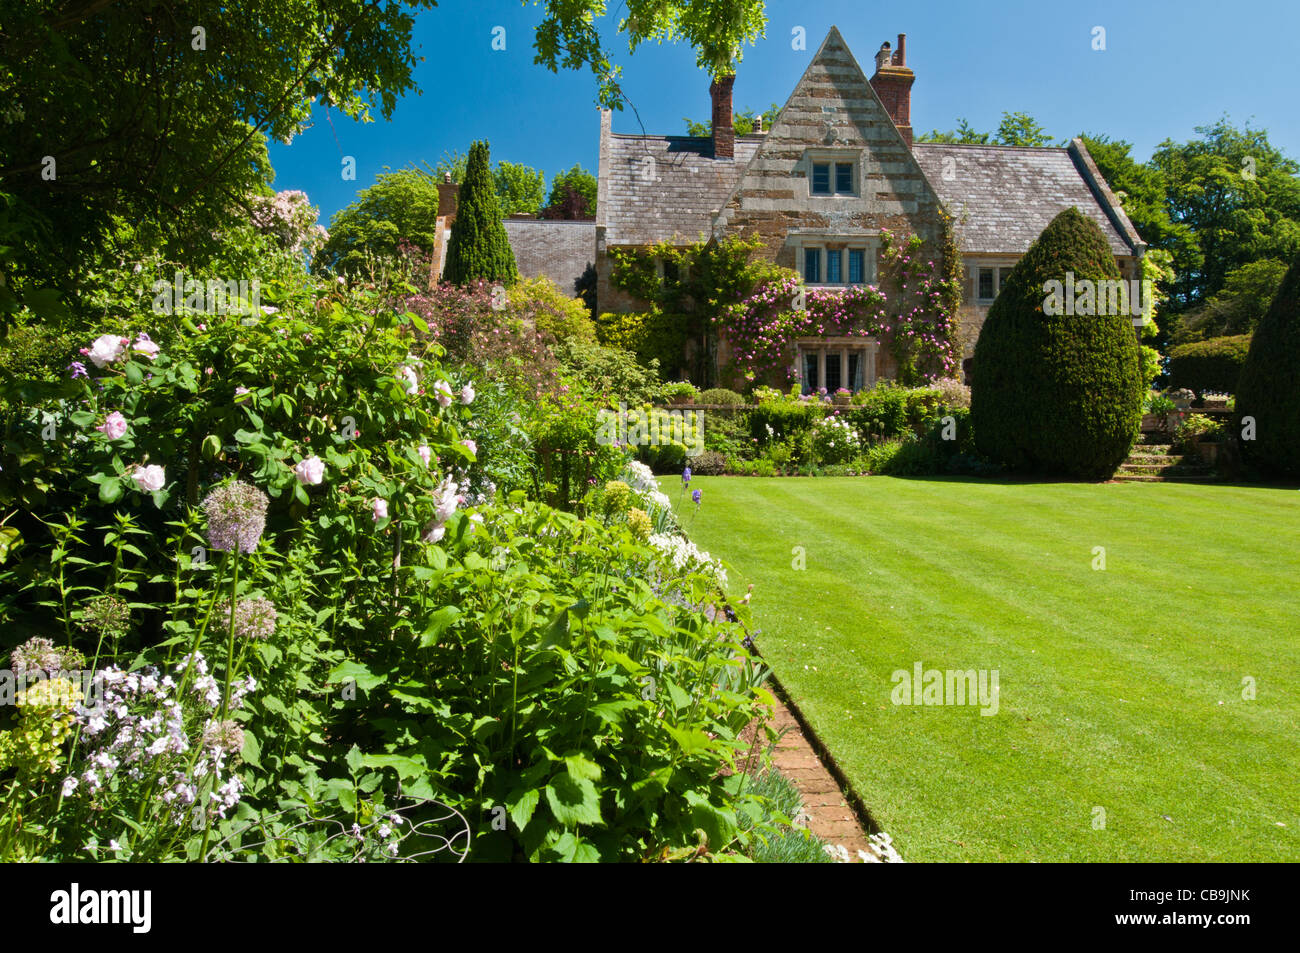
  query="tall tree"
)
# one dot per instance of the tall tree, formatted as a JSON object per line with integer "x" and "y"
{"x": 519, "y": 188}
{"x": 744, "y": 121}
{"x": 1269, "y": 391}
{"x": 1015, "y": 129}
{"x": 1238, "y": 194}
{"x": 400, "y": 208}
{"x": 479, "y": 247}
{"x": 573, "y": 195}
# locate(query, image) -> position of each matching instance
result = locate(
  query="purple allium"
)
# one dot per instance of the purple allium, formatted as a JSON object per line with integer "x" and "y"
{"x": 236, "y": 517}
{"x": 254, "y": 618}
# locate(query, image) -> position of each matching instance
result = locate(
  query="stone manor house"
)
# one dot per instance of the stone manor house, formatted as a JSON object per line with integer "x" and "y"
{"x": 837, "y": 165}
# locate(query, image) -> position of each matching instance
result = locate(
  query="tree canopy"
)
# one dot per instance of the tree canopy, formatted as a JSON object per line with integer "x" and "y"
{"x": 400, "y": 208}
{"x": 1015, "y": 129}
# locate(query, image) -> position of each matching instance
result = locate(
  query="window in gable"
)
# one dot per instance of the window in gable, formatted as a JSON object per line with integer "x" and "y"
{"x": 821, "y": 178}
{"x": 844, "y": 178}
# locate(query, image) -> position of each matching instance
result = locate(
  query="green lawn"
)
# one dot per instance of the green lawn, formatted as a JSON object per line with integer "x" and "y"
{"x": 1120, "y": 689}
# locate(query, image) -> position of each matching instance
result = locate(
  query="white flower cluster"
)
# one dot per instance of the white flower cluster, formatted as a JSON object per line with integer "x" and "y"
{"x": 138, "y": 728}
{"x": 880, "y": 850}
{"x": 686, "y": 556}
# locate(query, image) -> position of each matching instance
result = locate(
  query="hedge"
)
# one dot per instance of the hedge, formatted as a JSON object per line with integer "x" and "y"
{"x": 1213, "y": 365}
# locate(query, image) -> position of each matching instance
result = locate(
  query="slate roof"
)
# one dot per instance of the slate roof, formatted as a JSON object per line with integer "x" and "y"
{"x": 1003, "y": 197}
{"x": 674, "y": 195}
{"x": 557, "y": 249}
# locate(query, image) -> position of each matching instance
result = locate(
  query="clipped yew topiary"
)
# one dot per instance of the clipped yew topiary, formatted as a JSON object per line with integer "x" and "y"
{"x": 1269, "y": 390}
{"x": 1057, "y": 393}
{"x": 479, "y": 248}
{"x": 1211, "y": 365}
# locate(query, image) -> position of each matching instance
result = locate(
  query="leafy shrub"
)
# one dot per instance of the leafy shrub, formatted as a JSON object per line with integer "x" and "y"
{"x": 553, "y": 313}
{"x": 1269, "y": 390}
{"x": 651, "y": 336}
{"x": 708, "y": 463}
{"x": 722, "y": 396}
{"x": 781, "y": 804}
{"x": 1194, "y": 427}
{"x": 1212, "y": 366}
{"x": 777, "y": 420}
{"x": 608, "y": 374}
{"x": 479, "y": 248}
{"x": 1057, "y": 393}
{"x": 680, "y": 389}
{"x": 834, "y": 440}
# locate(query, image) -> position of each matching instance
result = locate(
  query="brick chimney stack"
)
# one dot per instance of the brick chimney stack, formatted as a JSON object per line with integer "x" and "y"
{"x": 724, "y": 130}
{"x": 893, "y": 84}
{"x": 448, "y": 196}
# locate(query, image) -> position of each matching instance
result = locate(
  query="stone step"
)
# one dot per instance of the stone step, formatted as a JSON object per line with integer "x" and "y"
{"x": 1166, "y": 470}
{"x": 1148, "y": 478}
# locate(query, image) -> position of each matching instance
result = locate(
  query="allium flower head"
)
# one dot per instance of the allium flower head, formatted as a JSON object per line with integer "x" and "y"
{"x": 236, "y": 517}
{"x": 42, "y": 654}
{"x": 254, "y": 618}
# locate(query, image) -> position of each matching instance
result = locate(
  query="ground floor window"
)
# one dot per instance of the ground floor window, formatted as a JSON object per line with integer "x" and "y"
{"x": 834, "y": 363}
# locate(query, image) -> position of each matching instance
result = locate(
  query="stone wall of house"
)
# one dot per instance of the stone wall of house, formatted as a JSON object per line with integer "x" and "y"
{"x": 833, "y": 108}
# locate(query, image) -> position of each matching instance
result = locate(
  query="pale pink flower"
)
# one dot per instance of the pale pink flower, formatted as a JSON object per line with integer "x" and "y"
{"x": 146, "y": 347}
{"x": 467, "y": 394}
{"x": 151, "y": 479}
{"x": 380, "y": 508}
{"x": 114, "y": 427}
{"x": 472, "y": 447}
{"x": 106, "y": 349}
{"x": 425, "y": 453}
{"x": 410, "y": 383}
{"x": 443, "y": 390}
{"x": 311, "y": 470}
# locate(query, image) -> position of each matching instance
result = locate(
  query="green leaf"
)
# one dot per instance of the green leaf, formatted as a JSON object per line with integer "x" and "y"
{"x": 579, "y": 767}
{"x": 521, "y": 808}
{"x": 354, "y": 671}
{"x": 353, "y": 759}
{"x": 110, "y": 491}
{"x": 573, "y": 800}
{"x": 10, "y": 539}
{"x": 404, "y": 766}
{"x": 438, "y": 623}
{"x": 689, "y": 740}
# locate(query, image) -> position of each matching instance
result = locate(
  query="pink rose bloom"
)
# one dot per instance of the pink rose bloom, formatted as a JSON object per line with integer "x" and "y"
{"x": 311, "y": 470}
{"x": 435, "y": 534}
{"x": 107, "y": 349}
{"x": 410, "y": 383}
{"x": 447, "y": 500}
{"x": 146, "y": 347}
{"x": 443, "y": 390}
{"x": 425, "y": 454}
{"x": 467, "y": 394}
{"x": 151, "y": 479}
{"x": 380, "y": 508}
{"x": 241, "y": 391}
{"x": 114, "y": 427}
{"x": 472, "y": 447}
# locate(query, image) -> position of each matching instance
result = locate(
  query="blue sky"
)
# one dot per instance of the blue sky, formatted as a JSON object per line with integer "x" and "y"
{"x": 1167, "y": 67}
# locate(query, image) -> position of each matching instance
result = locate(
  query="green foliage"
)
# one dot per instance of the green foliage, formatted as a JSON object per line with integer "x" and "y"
{"x": 610, "y": 374}
{"x": 1015, "y": 129}
{"x": 717, "y": 31}
{"x": 552, "y": 312}
{"x": 720, "y": 395}
{"x": 479, "y": 248}
{"x": 1056, "y": 393}
{"x": 708, "y": 463}
{"x": 744, "y": 122}
{"x": 519, "y": 188}
{"x": 400, "y": 208}
{"x": 1238, "y": 194}
{"x": 651, "y": 336}
{"x": 1236, "y": 308}
{"x": 1269, "y": 390}
{"x": 144, "y": 127}
{"x": 680, "y": 389}
{"x": 1195, "y": 428}
{"x": 572, "y": 196}
{"x": 781, "y": 804}
{"x": 1212, "y": 366}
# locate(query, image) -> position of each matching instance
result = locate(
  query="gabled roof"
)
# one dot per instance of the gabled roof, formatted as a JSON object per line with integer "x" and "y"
{"x": 665, "y": 187}
{"x": 1002, "y": 197}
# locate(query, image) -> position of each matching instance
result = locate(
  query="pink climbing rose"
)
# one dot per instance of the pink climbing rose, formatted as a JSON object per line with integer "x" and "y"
{"x": 114, "y": 427}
